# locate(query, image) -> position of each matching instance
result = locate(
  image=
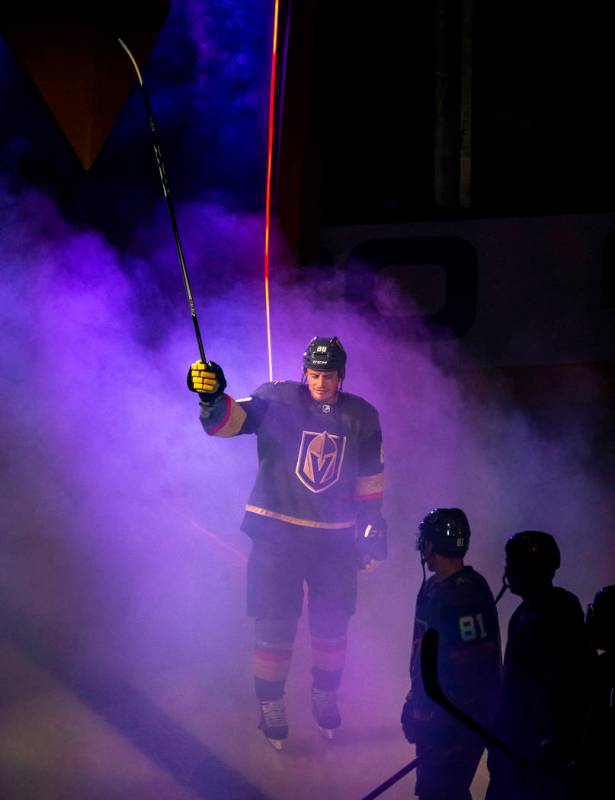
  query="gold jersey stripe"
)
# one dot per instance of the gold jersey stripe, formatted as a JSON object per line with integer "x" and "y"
{"x": 235, "y": 421}
{"x": 306, "y": 523}
{"x": 370, "y": 484}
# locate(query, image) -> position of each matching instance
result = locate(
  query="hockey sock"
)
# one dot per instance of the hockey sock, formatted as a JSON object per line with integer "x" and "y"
{"x": 268, "y": 690}
{"x": 328, "y": 657}
{"x": 272, "y": 654}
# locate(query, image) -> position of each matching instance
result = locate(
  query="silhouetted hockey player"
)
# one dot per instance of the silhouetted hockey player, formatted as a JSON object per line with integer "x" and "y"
{"x": 598, "y": 778}
{"x": 542, "y": 712}
{"x": 458, "y": 603}
{"x": 313, "y": 515}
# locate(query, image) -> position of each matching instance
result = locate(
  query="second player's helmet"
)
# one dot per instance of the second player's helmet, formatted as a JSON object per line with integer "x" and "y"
{"x": 533, "y": 551}
{"x": 324, "y": 354}
{"x": 448, "y": 530}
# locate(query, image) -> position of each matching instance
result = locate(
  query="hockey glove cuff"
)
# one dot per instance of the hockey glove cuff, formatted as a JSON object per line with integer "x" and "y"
{"x": 207, "y": 380}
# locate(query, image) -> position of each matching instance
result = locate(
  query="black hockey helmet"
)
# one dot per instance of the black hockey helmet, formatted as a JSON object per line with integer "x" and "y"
{"x": 448, "y": 530}
{"x": 600, "y": 619}
{"x": 324, "y": 354}
{"x": 534, "y": 553}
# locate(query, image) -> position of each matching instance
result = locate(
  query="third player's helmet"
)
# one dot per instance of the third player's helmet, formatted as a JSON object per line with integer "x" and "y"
{"x": 601, "y": 619}
{"x": 448, "y": 530}
{"x": 533, "y": 551}
{"x": 324, "y": 354}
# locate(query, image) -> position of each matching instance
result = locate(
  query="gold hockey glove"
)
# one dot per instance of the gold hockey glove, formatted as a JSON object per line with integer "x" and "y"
{"x": 207, "y": 380}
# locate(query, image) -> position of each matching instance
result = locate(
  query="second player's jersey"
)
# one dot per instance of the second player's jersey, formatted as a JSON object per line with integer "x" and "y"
{"x": 546, "y": 666}
{"x": 320, "y": 464}
{"x": 462, "y": 609}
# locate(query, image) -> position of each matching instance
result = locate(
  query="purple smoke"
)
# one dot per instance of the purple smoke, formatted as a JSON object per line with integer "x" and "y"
{"x": 122, "y": 550}
{"x": 122, "y": 517}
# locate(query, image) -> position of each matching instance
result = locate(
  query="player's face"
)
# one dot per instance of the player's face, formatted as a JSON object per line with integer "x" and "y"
{"x": 520, "y": 579}
{"x": 427, "y": 554}
{"x": 323, "y": 386}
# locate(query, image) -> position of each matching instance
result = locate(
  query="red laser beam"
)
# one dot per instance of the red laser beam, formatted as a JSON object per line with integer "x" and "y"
{"x": 219, "y": 541}
{"x": 268, "y": 189}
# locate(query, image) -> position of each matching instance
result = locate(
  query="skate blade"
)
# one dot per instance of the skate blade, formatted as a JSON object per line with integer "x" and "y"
{"x": 277, "y": 744}
{"x": 327, "y": 733}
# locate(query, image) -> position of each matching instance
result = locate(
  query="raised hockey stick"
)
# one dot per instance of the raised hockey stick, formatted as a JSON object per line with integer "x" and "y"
{"x": 167, "y": 196}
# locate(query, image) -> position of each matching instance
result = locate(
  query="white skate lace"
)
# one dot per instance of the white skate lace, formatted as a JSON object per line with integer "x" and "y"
{"x": 274, "y": 713}
{"x": 325, "y": 702}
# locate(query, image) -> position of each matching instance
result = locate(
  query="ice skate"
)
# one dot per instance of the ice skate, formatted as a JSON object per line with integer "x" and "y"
{"x": 273, "y": 722}
{"x": 325, "y": 711}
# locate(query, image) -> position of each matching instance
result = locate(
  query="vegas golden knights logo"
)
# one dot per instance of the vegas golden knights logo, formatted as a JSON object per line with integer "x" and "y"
{"x": 320, "y": 460}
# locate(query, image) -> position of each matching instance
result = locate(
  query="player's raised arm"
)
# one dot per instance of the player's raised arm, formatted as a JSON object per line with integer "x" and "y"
{"x": 220, "y": 414}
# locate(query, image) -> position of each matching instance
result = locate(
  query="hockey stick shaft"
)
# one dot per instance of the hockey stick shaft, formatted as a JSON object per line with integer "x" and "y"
{"x": 167, "y": 196}
{"x": 541, "y": 774}
{"x": 392, "y": 780}
{"x": 431, "y": 682}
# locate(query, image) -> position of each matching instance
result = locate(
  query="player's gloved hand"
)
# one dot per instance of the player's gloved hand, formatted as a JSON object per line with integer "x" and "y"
{"x": 207, "y": 379}
{"x": 408, "y": 722}
{"x": 372, "y": 543}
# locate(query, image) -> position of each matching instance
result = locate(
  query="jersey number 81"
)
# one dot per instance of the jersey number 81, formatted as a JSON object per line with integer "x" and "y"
{"x": 472, "y": 627}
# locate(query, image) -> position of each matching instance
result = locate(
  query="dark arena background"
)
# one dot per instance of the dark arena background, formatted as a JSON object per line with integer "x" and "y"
{"x": 442, "y": 199}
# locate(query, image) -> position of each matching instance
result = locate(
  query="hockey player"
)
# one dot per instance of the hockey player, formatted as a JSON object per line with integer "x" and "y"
{"x": 597, "y": 770}
{"x": 313, "y": 515}
{"x": 542, "y": 709}
{"x": 458, "y": 603}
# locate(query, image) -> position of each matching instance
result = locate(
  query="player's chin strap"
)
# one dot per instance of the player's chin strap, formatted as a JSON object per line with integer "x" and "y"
{"x": 505, "y": 586}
